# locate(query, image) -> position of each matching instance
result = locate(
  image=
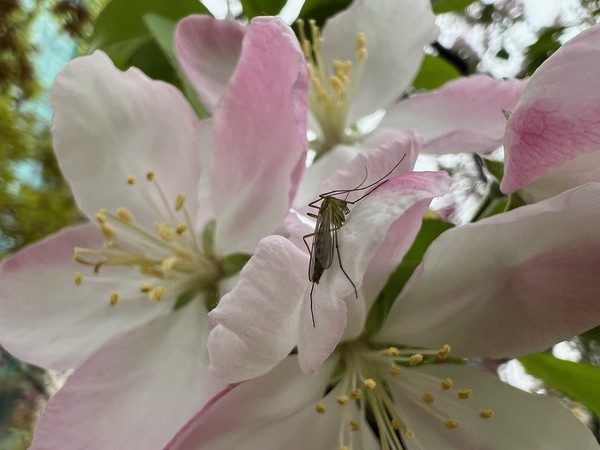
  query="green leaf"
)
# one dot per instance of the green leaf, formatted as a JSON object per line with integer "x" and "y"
{"x": 579, "y": 381}
{"x": 149, "y": 58}
{"x": 589, "y": 338}
{"x": 496, "y": 168}
{"x": 184, "y": 299}
{"x": 321, "y": 10}
{"x": 445, "y": 6}
{"x": 233, "y": 263}
{"x": 435, "y": 71}
{"x": 430, "y": 230}
{"x": 120, "y": 29}
{"x": 538, "y": 52}
{"x": 208, "y": 237}
{"x": 163, "y": 33}
{"x": 254, "y": 8}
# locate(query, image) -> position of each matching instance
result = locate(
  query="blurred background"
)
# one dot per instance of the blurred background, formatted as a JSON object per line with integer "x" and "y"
{"x": 504, "y": 38}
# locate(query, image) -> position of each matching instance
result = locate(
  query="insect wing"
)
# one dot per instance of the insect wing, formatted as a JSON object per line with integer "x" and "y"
{"x": 323, "y": 245}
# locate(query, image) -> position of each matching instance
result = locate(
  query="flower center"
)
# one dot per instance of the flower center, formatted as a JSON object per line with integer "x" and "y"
{"x": 365, "y": 391}
{"x": 167, "y": 253}
{"x": 331, "y": 93}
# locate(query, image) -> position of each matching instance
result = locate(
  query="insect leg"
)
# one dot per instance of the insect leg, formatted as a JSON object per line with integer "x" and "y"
{"x": 312, "y": 311}
{"x": 337, "y": 248}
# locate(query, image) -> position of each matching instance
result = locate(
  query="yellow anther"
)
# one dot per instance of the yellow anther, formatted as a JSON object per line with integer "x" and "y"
{"x": 165, "y": 231}
{"x": 150, "y": 175}
{"x": 446, "y": 384}
{"x": 101, "y": 217}
{"x": 183, "y": 253}
{"x": 415, "y": 359}
{"x": 370, "y": 383}
{"x": 464, "y": 393}
{"x": 146, "y": 287}
{"x": 168, "y": 263}
{"x": 78, "y": 278}
{"x": 343, "y": 399}
{"x": 444, "y": 351}
{"x": 354, "y": 425}
{"x": 355, "y": 394}
{"x": 393, "y": 351}
{"x": 343, "y": 447}
{"x": 428, "y": 398}
{"x": 361, "y": 41}
{"x": 409, "y": 434}
{"x": 108, "y": 230}
{"x": 179, "y": 201}
{"x": 181, "y": 228}
{"x": 396, "y": 424}
{"x": 114, "y": 298}
{"x": 362, "y": 54}
{"x": 320, "y": 408}
{"x": 130, "y": 180}
{"x": 451, "y": 423}
{"x": 395, "y": 370}
{"x": 157, "y": 293}
{"x": 486, "y": 413}
{"x": 337, "y": 84}
{"x": 125, "y": 216}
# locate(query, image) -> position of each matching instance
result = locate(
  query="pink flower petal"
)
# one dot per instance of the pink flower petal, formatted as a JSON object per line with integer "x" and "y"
{"x": 275, "y": 411}
{"x": 464, "y": 115}
{"x": 108, "y": 125}
{"x": 209, "y": 50}
{"x": 258, "y": 320}
{"x": 65, "y": 323}
{"x": 260, "y": 136}
{"x": 359, "y": 239}
{"x": 520, "y": 420}
{"x": 396, "y": 33}
{"x": 135, "y": 392}
{"x": 557, "y": 119}
{"x": 508, "y": 285}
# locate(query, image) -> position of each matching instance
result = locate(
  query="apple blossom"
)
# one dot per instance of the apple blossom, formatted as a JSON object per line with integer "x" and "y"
{"x": 552, "y": 140}
{"x": 178, "y": 204}
{"x": 360, "y": 64}
{"x": 507, "y": 285}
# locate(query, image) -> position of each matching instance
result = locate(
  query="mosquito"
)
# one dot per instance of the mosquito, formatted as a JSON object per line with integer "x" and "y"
{"x": 331, "y": 216}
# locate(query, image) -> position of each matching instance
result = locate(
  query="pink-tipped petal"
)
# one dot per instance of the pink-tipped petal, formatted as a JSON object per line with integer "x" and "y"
{"x": 396, "y": 33}
{"x": 135, "y": 392}
{"x": 275, "y": 411}
{"x": 464, "y": 115}
{"x": 50, "y": 321}
{"x": 209, "y": 50}
{"x": 260, "y": 136}
{"x": 110, "y": 124}
{"x": 366, "y": 228}
{"x": 519, "y": 420}
{"x": 557, "y": 119}
{"x": 508, "y": 285}
{"x": 257, "y": 322}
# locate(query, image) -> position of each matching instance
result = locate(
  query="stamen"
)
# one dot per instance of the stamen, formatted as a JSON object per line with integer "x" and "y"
{"x": 355, "y": 394}
{"x": 125, "y": 216}
{"x": 320, "y": 408}
{"x": 464, "y": 393}
{"x": 181, "y": 228}
{"x": 100, "y": 217}
{"x": 395, "y": 370}
{"x": 343, "y": 399}
{"x": 146, "y": 287}
{"x": 131, "y": 180}
{"x": 78, "y": 278}
{"x": 393, "y": 351}
{"x": 108, "y": 230}
{"x": 451, "y": 424}
{"x": 179, "y": 201}
{"x": 415, "y": 359}
{"x": 446, "y": 384}
{"x": 150, "y": 176}
{"x": 354, "y": 425}
{"x": 165, "y": 231}
{"x": 428, "y": 398}
{"x": 370, "y": 383}
{"x": 444, "y": 352}
{"x": 114, "y": 298}
{"x": 168, "y": 263}
{"x": 486, "y": 413}
{"x": 157, "y": 293}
